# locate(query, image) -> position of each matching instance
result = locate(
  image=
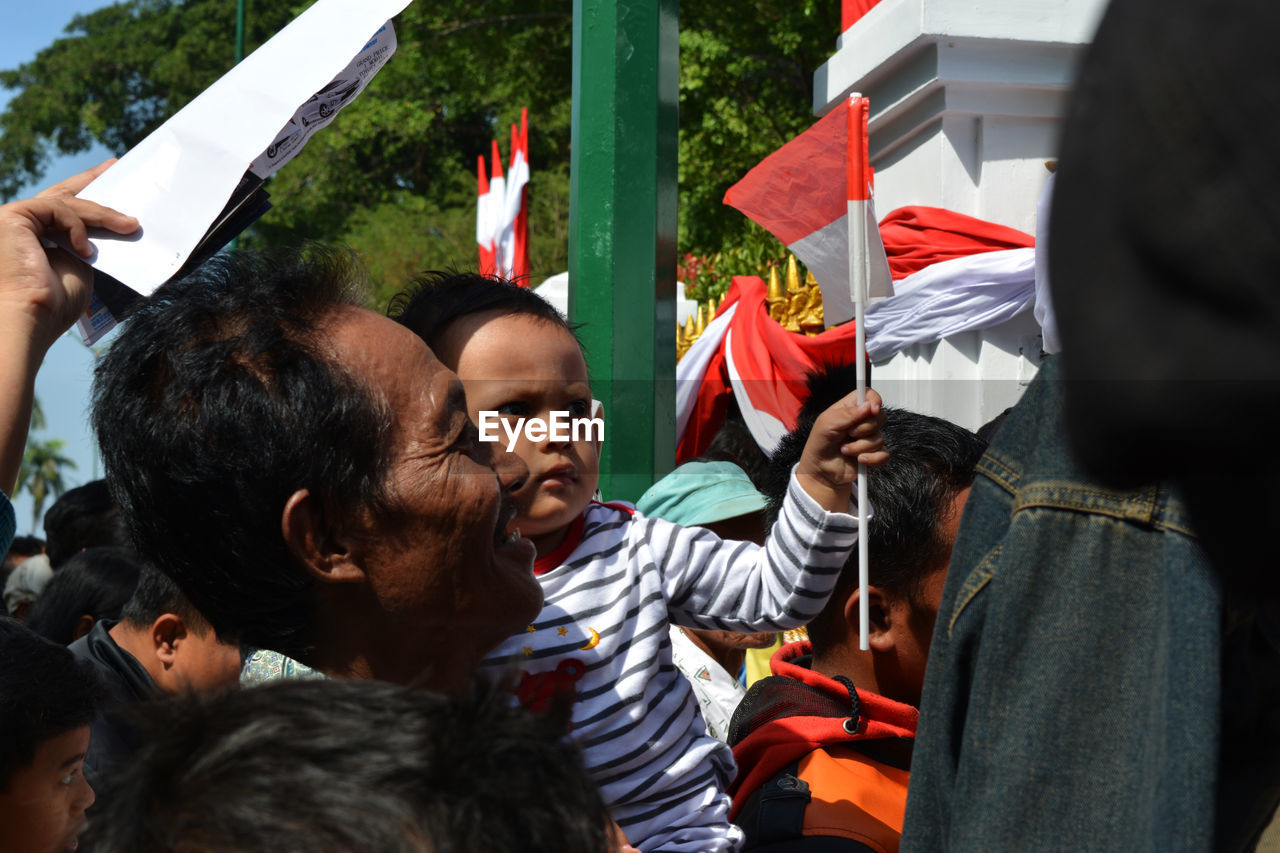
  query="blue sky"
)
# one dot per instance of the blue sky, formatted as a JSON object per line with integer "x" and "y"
{"x": 63, "y": 381}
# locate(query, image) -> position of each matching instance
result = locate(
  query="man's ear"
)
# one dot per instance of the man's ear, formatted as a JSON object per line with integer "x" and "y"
{"x": 83, "y": 626}
{"x": 880, "y": 615}
{"x": 322, "y": 546}
{"x": 167, "y": 632}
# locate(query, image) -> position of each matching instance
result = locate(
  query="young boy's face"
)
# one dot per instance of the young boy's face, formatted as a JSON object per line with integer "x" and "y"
{"x": 525, "y": 367}
{"x": 42, "y": 808}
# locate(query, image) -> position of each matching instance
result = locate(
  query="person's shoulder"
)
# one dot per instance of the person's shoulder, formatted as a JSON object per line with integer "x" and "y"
{"x": 8, "y": 523}
{"x": 613, "y": 509}
{"x": 602, "y": 516}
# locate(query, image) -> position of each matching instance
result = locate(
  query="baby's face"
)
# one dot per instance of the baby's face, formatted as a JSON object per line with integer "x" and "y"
{"x": 524, "y": 367}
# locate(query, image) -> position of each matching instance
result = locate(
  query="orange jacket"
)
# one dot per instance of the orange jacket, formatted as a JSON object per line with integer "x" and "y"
{"x": 819, "y": 761}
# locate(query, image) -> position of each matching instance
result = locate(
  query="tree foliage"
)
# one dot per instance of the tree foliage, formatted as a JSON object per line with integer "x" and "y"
{"x": 41, "y": 473}
{"x": 395, "y": 175}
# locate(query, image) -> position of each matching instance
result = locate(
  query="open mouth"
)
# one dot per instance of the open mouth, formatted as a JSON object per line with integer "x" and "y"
{"x": 507, "y": 513}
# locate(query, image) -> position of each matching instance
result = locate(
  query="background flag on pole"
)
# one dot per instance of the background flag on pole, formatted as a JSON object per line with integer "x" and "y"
{"x": 502, "y": 211}
{"x": 497, "y": 205}
{"x": 484, "y": 217}
{"x": 516, "y": 258}
{"x": 798, "y": 194}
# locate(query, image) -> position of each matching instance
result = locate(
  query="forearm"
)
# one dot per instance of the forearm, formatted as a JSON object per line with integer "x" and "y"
{"x": 830, "y": 498}
{"x": 22, "y": 349}
{"x": 743, "y": 587}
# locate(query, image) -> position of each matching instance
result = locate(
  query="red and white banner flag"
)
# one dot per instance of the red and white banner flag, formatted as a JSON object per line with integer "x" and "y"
{"x": 502, "y": 211}
{"x": 484, "y": 219}
{"x": 798, "y": 193}
{"x": 514, "y": 252}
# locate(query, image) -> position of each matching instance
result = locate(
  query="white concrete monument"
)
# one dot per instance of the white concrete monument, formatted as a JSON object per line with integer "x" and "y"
{"x": 967, "y": 99}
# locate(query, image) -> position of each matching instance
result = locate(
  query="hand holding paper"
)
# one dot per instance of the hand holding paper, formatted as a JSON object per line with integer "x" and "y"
{"x": 44, "y": 290}
{"x": 179, "y": 179}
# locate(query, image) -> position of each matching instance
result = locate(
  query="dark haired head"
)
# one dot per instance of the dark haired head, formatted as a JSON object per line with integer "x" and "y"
{"x": 45, "y": 691}
{"x": 20, "y": 549}
{"x": 84, "y": 517}
{"x": 987, "y": 432}
{"x": 156, "y": 595}
{"x": 931, "y": 460}
{"x": 352, "y": 765}
{"x": 94, "y": 583}
{"x": 217, "y": 402}
{"x": 734, "y": 443}
{"x": 436, "y": 299}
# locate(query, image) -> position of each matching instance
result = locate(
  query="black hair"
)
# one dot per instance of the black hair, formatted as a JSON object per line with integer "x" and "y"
{"x": 83, "y": 517}
{"x": 930, "y": 461}
{"x": 95, "y": 582}
{"x": 340, "y": 765}
{"x": 988, "y": 431}
{"x": 154, "y": 596}
{"x": 21, "y": 548}
{"x": 219, "y": 400}
{"x": 734, "y": 443}
{"x": 435, "y": 300}
{"x": 45, "y": 691}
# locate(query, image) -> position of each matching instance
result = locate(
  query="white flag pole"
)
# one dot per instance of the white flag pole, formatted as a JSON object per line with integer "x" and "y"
{"x": 859, "y": 277}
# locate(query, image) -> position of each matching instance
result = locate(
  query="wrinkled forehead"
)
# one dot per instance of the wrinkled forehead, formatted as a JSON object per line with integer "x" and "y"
{"x": 398, "y": 369}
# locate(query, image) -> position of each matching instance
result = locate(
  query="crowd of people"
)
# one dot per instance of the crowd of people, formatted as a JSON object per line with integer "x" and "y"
{"x": 310, "y": 608}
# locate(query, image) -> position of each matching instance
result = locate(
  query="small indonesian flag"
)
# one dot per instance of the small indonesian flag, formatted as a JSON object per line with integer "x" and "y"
{"x": 801, "y": 194}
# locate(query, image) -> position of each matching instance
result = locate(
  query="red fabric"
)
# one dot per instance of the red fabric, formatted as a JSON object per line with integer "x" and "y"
{"x": 542, "y": 565}
{"x": 772, "y": 363}
{"x": 916, "y": 237}
{"x": 851, "y": 11}
{"x": 796, "y": 189}
{"x": 712, "y": 402}
{"x": 771, "y": 747}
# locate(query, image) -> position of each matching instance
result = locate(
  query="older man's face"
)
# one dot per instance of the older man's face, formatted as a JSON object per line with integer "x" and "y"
{"x": 439, "y": 564}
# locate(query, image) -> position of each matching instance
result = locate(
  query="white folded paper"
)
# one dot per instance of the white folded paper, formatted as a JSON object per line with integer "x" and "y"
{"x": 178, "y": 179}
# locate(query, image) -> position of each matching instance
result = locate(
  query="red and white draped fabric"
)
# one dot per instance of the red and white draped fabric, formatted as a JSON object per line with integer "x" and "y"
{"x": 952, "y": 273}
{"x": 746, "y": 354}
{"x": 957, "y": 273}
{"x": 798, "y": 193}
{"x": 502, "y": 211}
{"x": 957, "y": 295}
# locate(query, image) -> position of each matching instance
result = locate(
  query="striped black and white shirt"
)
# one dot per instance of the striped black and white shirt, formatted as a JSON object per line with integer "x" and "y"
{"x": 611, "y": 590}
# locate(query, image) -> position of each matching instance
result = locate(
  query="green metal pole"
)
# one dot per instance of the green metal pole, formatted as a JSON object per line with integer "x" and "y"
{"x": 622, "y": 228}
{"x": 239, "y": 31}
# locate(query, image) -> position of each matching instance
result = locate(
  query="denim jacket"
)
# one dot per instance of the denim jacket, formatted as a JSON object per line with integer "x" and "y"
{"x": 1072, "y": 691}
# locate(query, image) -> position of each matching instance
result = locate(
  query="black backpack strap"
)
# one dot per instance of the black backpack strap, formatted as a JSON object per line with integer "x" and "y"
{"x": 775, "y": 812}
{"x": 773, "y": 819}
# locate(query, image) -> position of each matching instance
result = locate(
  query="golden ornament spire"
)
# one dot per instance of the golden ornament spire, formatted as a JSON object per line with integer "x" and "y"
{"x": 775, "y": 298}
{"x": 793, "y": 275}
{"x": 775, "y": 285}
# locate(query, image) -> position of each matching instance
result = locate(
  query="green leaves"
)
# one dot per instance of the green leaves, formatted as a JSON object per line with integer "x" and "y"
{"x": 42, "y": 464}
{"x": 406, "y": 149}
